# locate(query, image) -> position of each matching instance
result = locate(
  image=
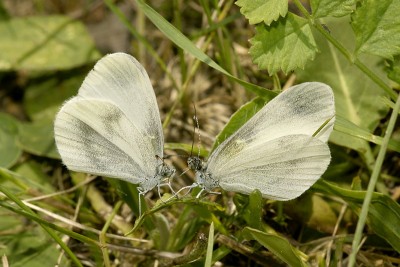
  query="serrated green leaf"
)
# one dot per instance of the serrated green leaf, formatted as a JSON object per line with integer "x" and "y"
{"x": 268, "y": 11}
{"x": 44, "y": 43}
{"x": 377, "y": 28}
{"x": 286, "y": 45}
{"x": 278, "y": 245}
{"x": 383, "y": 214}
{"x": 333, "y": 8}
{"x": 9, "y": 149}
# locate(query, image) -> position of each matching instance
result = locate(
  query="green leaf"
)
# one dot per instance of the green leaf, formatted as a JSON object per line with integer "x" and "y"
{"x": 383, "y": 214}
{"x": 357, "y": 99}
{"x": 161, "y": 234}
{"x": 313, "y": 211}
{"x": 33, "y": 175}
{"x": 377, "y": 28}
{"x": 27, "y": 248}
{"x": 253, "y": 211}
{"x": 4, "y": 15}
{"x": 9, "y": 150}
{"x": 268, "y": 11}
{"x": 210, "y": 246}
{"x": 21, "y": 208}
{"x": 38, "y": 139}
{"x": 394, "y": 69}
{"x": 130, "y": 195}
{"x": 333, "y": 8}
{"x": 43, "y": 100}
{"x": 286, "y": 45}
{"x": 187, "y": 226}
{"x": 188, "y": 148}
{"x": 347, "y": 127}
{"x": 278, "y": 245}
{"x": 29, "y": 175}
{"x": 44, "y": 43}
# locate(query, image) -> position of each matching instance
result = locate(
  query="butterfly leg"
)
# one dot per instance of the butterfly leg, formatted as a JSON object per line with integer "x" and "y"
{"x": 208, "y": 192}
{"x": 170, "y": 186}
{"x": 201, "y": 191}
{"x": 141, "y": 193}
{"x": 190, "y": 187}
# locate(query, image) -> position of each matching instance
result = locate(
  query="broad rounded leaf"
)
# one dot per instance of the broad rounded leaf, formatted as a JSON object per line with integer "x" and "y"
{"x": 44, "y": 43}
{"x": 38, "y": 139}
{"x": 9, "y": 150}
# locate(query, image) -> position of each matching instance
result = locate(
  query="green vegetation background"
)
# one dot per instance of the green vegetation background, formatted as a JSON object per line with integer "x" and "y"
{"x": 222, "y": 55}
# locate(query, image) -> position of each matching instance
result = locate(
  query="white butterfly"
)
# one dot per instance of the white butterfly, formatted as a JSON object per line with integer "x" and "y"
{"x": 280, "y": 151}
{"x": 113, "y": 127}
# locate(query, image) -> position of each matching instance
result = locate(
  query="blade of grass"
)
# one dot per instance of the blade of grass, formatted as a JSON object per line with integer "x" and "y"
{"x": 45, "y": 227}
{"x": 347, "y": 127}
{"x": 184, "y": 43}
{"x": 102, "y": 237}
{"x": 142, "y": 40}
{"x": 372, "y": 183}
{"x": 210, "y": 246}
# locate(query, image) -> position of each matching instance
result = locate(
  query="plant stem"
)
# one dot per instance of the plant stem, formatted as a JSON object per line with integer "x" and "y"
{"x": 349, "y": 56}
{"x": 372, "y": 183}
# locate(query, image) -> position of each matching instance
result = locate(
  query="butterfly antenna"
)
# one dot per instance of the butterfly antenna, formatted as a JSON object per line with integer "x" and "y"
{"x": 194, "y": 131}
{"x": 196, "y": 125}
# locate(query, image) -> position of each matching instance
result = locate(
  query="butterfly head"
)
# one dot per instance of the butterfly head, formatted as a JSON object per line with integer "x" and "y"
{"x": 195, "y": 163}
{"x": 206, "y": 181}
{"x": 165, "y": 171}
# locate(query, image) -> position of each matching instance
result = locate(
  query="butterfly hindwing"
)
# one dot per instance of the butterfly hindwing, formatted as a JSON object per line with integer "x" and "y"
{"x": 95, "y": 136}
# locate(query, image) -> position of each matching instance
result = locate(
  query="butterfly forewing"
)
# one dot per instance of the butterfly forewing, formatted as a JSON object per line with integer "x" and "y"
{"x": 95, "y": 136}
{"x": 120, "y": 79}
